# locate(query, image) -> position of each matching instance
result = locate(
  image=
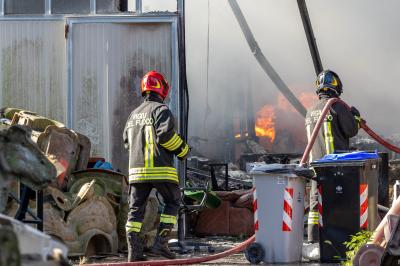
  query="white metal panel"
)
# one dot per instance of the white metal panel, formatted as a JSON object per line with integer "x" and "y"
{"x": 32, "y": 67}
{"x": 108, "y": 62}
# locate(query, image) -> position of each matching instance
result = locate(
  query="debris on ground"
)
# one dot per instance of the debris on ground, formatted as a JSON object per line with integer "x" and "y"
{"x": 85, "y": 208}
{"x": 218, "y": 244}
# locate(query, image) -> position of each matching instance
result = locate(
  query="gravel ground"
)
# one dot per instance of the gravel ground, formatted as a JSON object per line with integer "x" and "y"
{"x": 218, "y": 244}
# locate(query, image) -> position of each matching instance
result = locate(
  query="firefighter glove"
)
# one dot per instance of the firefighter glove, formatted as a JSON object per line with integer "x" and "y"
{"x": 355, "y": 112}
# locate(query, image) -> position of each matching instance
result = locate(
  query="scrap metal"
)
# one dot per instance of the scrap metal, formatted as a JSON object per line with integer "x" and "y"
{"x": 84, "y": 208}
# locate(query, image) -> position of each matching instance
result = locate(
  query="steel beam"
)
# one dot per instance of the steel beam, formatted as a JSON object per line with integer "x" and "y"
{"x": 138, "y": 7}
{"x": 262, "y": 60}
{"x": 2, "y": 7}
{"x": 312, "y": 44}
{"x": 183, "y": 104}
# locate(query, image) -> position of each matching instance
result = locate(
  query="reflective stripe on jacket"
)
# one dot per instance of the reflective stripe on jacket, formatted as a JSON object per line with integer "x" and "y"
{"x": 338, "y": 127}
{"x": 152, "y": 142}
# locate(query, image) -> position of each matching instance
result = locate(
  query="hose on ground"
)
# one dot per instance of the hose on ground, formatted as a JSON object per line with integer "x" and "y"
{"x": 185, "y": 261}
{"x": 246, "y": 243}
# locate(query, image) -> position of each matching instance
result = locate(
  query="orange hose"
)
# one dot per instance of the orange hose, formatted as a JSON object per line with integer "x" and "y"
{"x": 363, "y": 125}
{"x": 243, "y": 245}
{"x": 317, "y": 127}
{"x": 378, "y": 138}
{"x": 226, "y": 253}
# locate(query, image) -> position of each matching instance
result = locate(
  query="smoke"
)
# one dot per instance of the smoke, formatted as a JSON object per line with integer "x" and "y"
{"x": 234, "y": 74}
{"x": 357, "y": 39}
{"x": 360, "y": 40}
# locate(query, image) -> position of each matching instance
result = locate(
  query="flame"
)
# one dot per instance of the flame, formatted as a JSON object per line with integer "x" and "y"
{"x": 307, "y": 98}
{"x": 265, "y": 122}
{"x": 238, "y": 135}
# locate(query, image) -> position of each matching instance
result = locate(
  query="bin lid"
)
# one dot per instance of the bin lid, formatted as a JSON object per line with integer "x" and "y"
{"x": 283, "y": 169}
{"x": 275, "y": 168}
{"x": 349, "y": 156}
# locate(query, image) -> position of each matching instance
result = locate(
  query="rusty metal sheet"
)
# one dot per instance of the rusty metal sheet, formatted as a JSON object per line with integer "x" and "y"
{"x": 84, "y": 146}
{"x": 61, "y": 146}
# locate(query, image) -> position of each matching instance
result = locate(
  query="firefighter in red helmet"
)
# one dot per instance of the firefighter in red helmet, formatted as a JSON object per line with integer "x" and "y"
{"x": 152, "y": 141}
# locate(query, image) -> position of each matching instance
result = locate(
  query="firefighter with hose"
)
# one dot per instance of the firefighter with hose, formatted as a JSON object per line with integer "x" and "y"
{"x": 338, "y": 127}
{"x": 152, "y": 141}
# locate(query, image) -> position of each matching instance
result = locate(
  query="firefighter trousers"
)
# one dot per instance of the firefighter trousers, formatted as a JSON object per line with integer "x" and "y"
{"x": 312, "y": 228}
{"x": 138, "y": 195}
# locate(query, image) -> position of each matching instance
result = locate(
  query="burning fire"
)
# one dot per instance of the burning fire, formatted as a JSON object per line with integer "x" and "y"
{"x": 265, "y": 122}
{"x": 306, "y": 98}
{"x": 238, "y": 135}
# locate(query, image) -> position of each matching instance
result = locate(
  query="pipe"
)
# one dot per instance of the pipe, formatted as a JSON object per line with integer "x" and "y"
{"x": 138, "y": 7}
{"x": 312, "y": 44}
{"x": 183, "y": 108}
{"x": 187, "y": 261}
{"x": 383, "y": 208}
{"x": 262, "y": 60}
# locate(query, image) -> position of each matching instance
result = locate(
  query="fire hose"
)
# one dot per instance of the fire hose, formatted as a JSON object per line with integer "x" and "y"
{"x": 369, "y": 254}
{"x": 226, "y": 253}
{"x": 363, "y": 125}
{"x": 246, "y": 243}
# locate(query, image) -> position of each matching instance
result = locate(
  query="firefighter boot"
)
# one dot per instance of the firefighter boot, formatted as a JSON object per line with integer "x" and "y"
{"x": 135, "y": 247}
{"x": 160, "y": 246}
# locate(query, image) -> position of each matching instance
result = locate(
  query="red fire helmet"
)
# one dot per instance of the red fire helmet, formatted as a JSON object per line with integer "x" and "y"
{"x": 155, "y": 82}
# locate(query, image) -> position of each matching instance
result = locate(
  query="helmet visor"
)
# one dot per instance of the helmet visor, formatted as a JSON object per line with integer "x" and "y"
{"x": 327, "y": 79}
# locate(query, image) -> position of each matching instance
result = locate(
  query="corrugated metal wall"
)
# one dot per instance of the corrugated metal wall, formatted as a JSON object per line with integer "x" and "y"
{"x": 33, "y": 67}
{"x": 108, "y": 62}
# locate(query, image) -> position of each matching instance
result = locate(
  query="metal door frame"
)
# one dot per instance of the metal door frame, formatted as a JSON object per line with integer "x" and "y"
{"x": 163, "y": 19}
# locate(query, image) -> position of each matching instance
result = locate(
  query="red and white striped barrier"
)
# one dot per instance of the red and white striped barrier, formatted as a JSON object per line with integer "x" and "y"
{"x": 320, "y": 222}
{"x": 287, "y": 210}
{"x": 255, "y": 208}
{"x": 363, "y": 206}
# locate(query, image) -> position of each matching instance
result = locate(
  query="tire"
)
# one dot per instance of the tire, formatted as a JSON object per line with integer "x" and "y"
{"x": 255, "y": 253}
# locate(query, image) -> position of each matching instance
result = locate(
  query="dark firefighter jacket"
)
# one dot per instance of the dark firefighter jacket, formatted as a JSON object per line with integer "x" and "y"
{"x": 152, "y": 142}
{"x": 338, "y": 127}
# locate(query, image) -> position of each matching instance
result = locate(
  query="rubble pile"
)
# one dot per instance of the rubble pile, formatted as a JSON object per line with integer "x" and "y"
{"x": 85, "y": 208}
{"x": 20, "y": 159}
{"x": 203, "y": 172}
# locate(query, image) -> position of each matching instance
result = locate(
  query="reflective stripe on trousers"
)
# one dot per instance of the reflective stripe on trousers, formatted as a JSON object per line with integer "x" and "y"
{"x": 153, "y": 173}
{"x": 133, "y": 227}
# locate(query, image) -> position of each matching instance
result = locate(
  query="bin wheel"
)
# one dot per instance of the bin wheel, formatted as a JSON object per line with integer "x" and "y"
{"x": 255, "y": 253}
